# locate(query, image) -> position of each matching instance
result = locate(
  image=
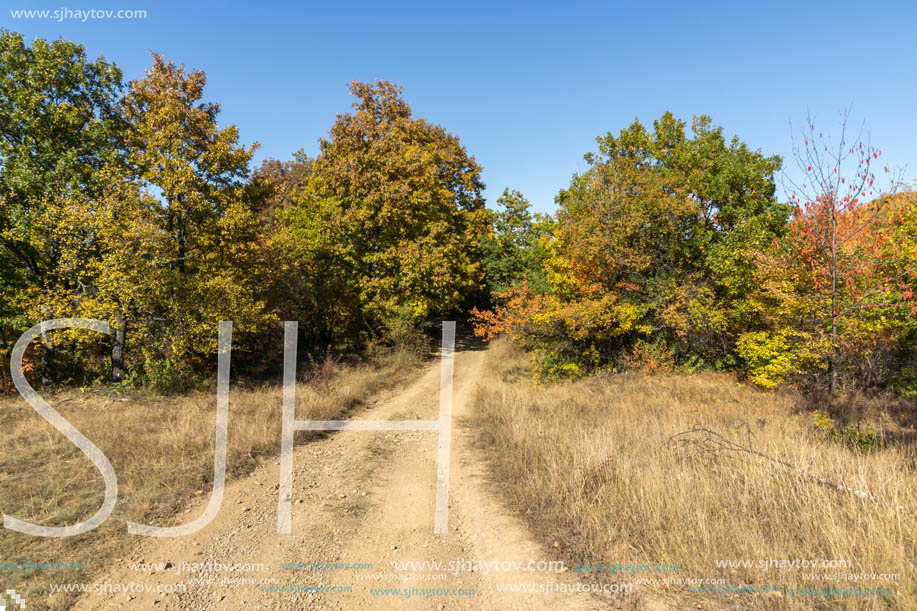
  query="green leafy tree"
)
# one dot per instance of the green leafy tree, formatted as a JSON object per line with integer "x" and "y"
{"x": 294, "y": 287}
{"x": 394, "y": 211}
{"x": 649, "y": 259}
{"x": 58, "y": 128}
{"x": 514, "y": 248}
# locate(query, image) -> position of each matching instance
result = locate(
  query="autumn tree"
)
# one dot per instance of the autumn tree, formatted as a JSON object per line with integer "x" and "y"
{"x": 207, "y": 259}
{"x": 12, "y": 317}
{"x": 293, "y": 287}
{"x": 648, "y": 260}
{"x": 275, "y": 184}
{"x": 58, "y": 127}
{"x": 109, "y": 264}
{"x": 393, "y": 212}
{"x": 843, "y": 271}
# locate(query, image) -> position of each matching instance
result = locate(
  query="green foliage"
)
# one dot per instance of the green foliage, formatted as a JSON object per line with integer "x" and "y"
{"x": 514, "y": 248}
{"x": 552, "y": 367}
{"x": 652, "y": 240}
{"x": 693, "y": 364}
{"x": 164, "y": 377}
{"x": 58, "y": 127}
{"x": 401, "y": 331}
{"x": 772, "y": 357}
{"x": 392, "y": 214}
{"x": 865, "y": 441}
{"x": 906, "y": 383}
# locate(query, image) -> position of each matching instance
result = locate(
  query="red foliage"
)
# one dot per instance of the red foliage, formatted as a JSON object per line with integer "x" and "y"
{"x": 843, "y": 233}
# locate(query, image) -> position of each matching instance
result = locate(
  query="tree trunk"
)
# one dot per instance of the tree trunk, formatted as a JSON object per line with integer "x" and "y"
{"x": 4, "y": 370}
{"x": 117, "y": 347}
{"x": 48, "y": 371}
{"x": 832, "y": 360}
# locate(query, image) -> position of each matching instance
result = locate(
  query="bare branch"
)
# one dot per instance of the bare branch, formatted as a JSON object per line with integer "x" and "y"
{"x": 705, "y": 441}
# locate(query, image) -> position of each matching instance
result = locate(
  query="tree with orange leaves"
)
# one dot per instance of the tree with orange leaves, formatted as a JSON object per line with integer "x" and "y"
{"x": 841, "y": 249}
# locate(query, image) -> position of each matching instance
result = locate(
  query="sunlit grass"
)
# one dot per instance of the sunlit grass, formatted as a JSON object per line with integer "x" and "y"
{"x": 592, "y": 467}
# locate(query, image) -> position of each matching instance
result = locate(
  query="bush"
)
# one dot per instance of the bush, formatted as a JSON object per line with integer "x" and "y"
{"x": 549, "y": 366}
{"x": 771, "y": 357}
{"x": 865, "y": 441}
{"x": 906, "y": 383}
{"x": 163, "y": 376}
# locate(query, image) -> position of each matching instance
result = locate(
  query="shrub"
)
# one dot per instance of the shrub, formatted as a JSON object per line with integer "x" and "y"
{"x": 771, "y": 357}
{"x": 865, "y": 441}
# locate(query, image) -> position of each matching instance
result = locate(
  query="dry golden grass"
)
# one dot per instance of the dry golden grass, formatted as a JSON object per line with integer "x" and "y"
{"x": 162, "y": 451}
{"x": 591, "y": 467}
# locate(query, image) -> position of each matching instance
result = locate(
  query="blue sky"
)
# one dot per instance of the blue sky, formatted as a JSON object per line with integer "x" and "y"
{"x": 527, "y": 87}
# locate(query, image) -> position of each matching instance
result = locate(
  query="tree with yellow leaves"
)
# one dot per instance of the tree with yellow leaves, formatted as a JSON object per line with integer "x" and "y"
{"x": 58, "y": 128}
{"x": 394, "y": 208}
{"x": 207, "y": 253}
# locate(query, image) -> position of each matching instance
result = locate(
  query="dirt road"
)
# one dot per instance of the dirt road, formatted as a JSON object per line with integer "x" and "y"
{"x": 358, "y": 497}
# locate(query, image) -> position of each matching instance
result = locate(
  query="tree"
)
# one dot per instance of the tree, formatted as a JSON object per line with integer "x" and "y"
{"x": 394, "y": 211}
{"x": 208, "y": 258}
{"x": 109, "y": 264}
{"x": 843, "y": 251}
{"x": 58, "y": 128}
{"x": 648, "y": 260}
{"x": 294, "y": 287}
{"x": 276, "y": 184}
{"x": 513, "y": 250}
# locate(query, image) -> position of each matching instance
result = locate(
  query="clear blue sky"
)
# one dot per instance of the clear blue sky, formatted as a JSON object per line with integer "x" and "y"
{"x": 528, "y": 86}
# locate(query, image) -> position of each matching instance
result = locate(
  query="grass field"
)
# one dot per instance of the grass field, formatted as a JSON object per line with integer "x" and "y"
{"x": 162, "y": 451}
{"x": 593, "y": 467}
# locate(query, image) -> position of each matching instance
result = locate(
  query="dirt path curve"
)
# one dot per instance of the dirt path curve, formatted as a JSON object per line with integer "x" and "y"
{"x": 358, "y": 497}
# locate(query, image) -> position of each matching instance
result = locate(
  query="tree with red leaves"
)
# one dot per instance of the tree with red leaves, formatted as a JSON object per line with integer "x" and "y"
{"x": 842, "y": 236}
